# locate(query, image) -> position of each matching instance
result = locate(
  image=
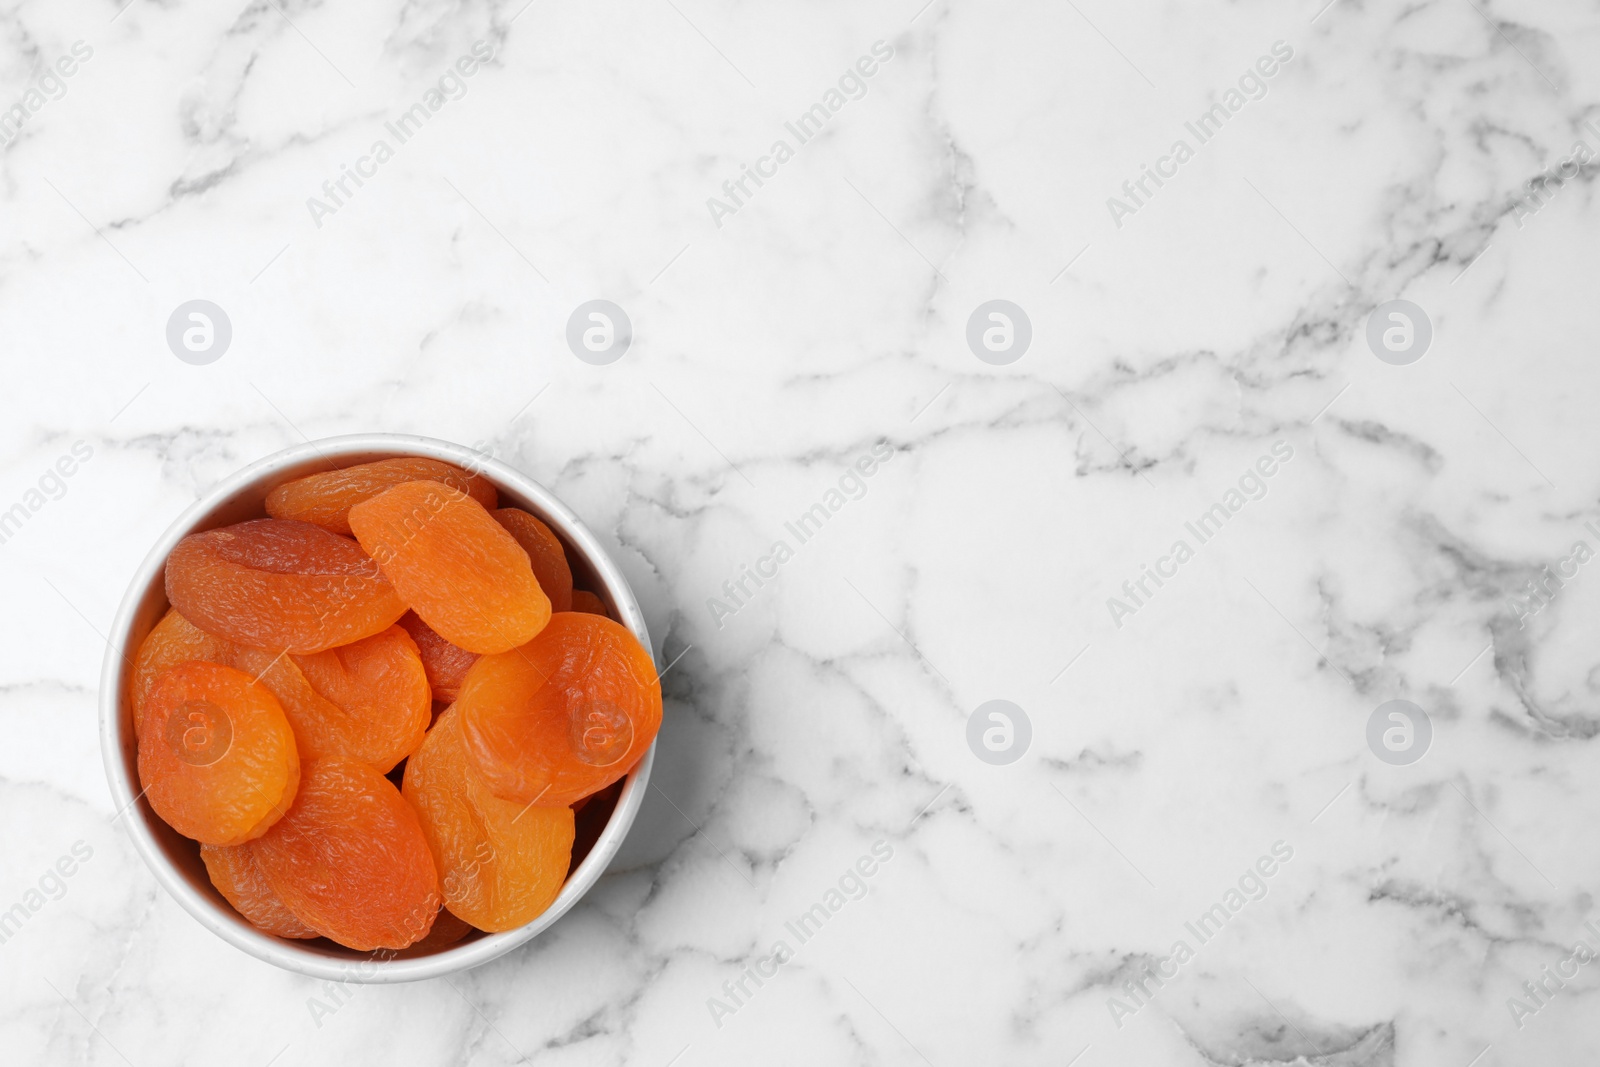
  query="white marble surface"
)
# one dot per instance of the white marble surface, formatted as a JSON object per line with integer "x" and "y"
{"x": 827, "y": 313}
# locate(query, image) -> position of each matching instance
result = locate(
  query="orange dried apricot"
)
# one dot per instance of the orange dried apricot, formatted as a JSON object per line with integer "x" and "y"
{"x": 445, "y": 663}
{"x": 217, "y": 759}
{"x": 585, "y": 601}
{"x": 381, "y": 686}
{"x": 457, "y": 568}
{"x": 280, "y": 584}
{"x": 501, "y": 863}
{"x": 565, "y": 715}
{"x": 172, "y": 641}
{"x": 367, "y": 700}
{"x": 237, "y": 876}
{"x": 544, "y": 551}
{"x": 326, "y": 498}
{"x": 350, "y": 859}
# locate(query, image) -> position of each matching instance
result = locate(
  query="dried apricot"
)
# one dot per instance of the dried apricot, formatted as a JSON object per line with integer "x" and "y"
{"x": 445, "y": 663}
{"x": 326, "y": 498}
{"x": 544, "y": 551}
{"x": 237, "y": 876}
{"x": 501, "y": 863}
{"x": 381, "y": 686}
{"x": 278, "y": 583}
{"x": 172, "y": 641}
{"x": 585, "y": 601}
{"x": 457, "y": 568}
{"x": 350, "y": 859}
{"x": 367, "y": 700}
{"x": 565, "y": 715}
{"x": 217, "y": 759}
{"x": 447, "y": 930}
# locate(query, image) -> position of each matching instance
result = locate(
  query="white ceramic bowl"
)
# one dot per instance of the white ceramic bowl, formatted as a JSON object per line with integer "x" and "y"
{"x": 176, "y": 859}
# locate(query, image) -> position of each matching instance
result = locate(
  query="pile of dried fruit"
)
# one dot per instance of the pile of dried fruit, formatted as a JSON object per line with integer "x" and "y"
{"x": 300, "y": 674}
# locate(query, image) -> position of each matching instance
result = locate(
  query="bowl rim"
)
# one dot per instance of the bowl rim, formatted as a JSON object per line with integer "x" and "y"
{"x": 223, "y": 921}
